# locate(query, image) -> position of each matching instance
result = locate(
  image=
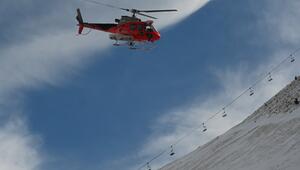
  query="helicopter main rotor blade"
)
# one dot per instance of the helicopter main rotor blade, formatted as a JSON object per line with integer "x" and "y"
{"x": 146, "y": 15}
{"x": 107, "y": 5}
{"x": 133, "y": 11}
{"x": 140, "y": 12}
{"x": 163, "y": 10}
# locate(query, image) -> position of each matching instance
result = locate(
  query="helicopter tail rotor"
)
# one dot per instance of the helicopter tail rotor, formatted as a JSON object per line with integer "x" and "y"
{"x": 79, "y": 17}
{"x": 80, "y": 21}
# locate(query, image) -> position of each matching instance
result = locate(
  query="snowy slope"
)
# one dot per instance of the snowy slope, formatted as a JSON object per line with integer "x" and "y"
{"x": 269, "y": 139}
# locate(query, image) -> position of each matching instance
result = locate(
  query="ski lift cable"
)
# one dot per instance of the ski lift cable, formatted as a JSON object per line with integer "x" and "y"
{"x": 227, "y": 105}
{"x": 151, "y": 160}
{"x": 262, "y": 77}
{"x": 186, "y": 135}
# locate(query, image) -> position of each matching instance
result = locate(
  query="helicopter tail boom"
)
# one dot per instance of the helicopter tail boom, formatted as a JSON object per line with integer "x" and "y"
{"x": 107, "y": 27}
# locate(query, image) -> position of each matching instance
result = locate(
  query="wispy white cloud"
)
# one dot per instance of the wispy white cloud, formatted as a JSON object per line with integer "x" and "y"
{"x": 281, "y": 24}
{"x": 19, "y": 149}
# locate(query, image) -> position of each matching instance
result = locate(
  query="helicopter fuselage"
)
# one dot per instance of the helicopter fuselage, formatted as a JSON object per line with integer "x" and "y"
{"x": 127, "y": 28}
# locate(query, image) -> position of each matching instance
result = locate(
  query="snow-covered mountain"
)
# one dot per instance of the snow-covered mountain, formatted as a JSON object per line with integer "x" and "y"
{"x": 269, "y": 139}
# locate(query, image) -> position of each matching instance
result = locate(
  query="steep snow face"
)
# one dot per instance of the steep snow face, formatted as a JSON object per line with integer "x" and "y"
{"x": 269, "y": 139}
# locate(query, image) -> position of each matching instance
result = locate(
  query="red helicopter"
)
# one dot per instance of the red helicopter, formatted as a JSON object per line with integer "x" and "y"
{"x": 130, "y": 29}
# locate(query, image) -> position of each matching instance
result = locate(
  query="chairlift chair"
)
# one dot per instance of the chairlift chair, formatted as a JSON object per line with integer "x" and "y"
{"x": 270, "y": 77}
{"x": 224, "y": 113}
{"x": 292, "y": 58}
{"x": 251, "y": 91}
{"x": 172, "y": 151}
{"x": 148, "y": 166}
{"x": 204, "y": 127}
{"x": 296, "y": 101}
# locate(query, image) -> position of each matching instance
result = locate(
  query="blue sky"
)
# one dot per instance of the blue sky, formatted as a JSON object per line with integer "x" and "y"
{"x": 86, "y": 105}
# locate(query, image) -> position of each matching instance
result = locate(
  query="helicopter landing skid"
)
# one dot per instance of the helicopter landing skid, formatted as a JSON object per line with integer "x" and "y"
{"x": 146, "y": 46}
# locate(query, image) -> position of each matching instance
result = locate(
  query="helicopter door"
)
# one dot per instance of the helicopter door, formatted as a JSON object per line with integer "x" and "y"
{"x": 132, "y": 28}
{"x": 141, "y": 29}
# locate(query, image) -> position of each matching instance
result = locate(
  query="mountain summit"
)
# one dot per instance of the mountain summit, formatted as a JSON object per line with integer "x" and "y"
{"x": 269, "y": 139}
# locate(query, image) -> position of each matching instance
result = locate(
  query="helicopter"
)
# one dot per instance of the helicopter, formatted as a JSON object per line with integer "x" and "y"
{"x": 129, "y": 29}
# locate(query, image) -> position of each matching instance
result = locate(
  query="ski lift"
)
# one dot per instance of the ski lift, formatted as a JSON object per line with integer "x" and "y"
{"x": 292, "y": 59}
{"x": 148, "y": 166}
{"x": 251, "y": 91}
{"x": 270, "y": 77}
{"x": 224, "y": 113}
{"x": 204, "y": 127}
{"x": 172, "y": 151}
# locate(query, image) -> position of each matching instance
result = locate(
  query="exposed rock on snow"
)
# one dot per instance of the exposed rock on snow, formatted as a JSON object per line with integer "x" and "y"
{"x": 269, "y": 139}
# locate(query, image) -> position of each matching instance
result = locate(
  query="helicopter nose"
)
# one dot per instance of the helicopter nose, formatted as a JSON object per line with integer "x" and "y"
{"x": 156, "y": 36}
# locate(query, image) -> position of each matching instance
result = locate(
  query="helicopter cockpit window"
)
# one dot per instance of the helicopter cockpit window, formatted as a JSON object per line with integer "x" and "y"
{"x": 132, "y": 27}
{"x": 149, "y": 29}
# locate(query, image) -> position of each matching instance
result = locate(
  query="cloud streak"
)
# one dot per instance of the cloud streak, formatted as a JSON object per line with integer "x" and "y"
{"x": 19, "y": 149}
